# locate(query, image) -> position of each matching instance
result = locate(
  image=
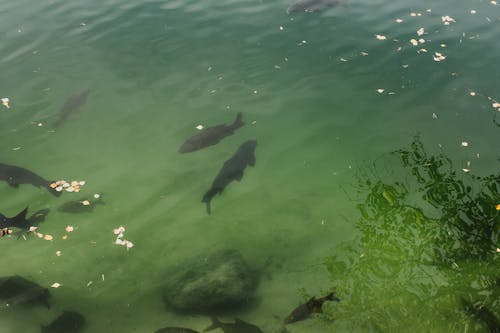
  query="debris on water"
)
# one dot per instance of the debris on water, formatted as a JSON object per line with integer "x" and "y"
{"x": 381, "y": 37}
{"x": 422, "y": 50}
{"x": 472, "y": 11}
{"x": 5, "y": 102}
{"x": 398, "y": 20}
{"x": 89, "y": 283}
{"x": 465, "y": 144}
{"x": 343, "y": 60}
{"x": 48, "y": 237}
{"x": 438, "y": 56}
{"x": 497, "y": 207}
{"x": 413, "y": 14}
{"x": 493, "y": 2}
{"x": 364, "y": 54}
{"x": 73, "y": 186}
{"x": 466, "y": 170}
{"x": 420, "y": 31}
{"x": 447, "y": 20}
{"x": 55, "y": 285}
{"x": 64, "y": 237}
{"x": 119, "y": 241}
{"x": 69, "y": 228}
{"x": 199, "y": 127}
{"x": 434, "y": 115}
{"x": 85, "y": 202}
{"x": 58, "y": 253}
{"x": 405, "y": 66}
{"x": 380, "y": 90}
{"x": 413, "y": 42}
{"x": 281, "y": 28}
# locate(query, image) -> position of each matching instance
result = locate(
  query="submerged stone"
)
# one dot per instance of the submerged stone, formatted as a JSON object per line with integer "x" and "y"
{"x": 208, "y": 283}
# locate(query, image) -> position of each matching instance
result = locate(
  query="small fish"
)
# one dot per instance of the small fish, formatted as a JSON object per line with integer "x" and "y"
{"x": 175, "y": 330}
{"x": 304, "y": 311}
{"x": 14, "y": 176}
{"x": 231, "y": 170}
{"x": 67, "y": 322}
{"x": 310, "y": 6}
{"x": 211, "y": 135}
{"x": 16, "y": 290}
{"x": 72, "y": 104}
{"x": 239, "y": 326}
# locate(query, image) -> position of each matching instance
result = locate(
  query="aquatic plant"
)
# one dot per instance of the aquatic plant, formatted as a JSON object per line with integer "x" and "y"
{"x": 428, "y": 239}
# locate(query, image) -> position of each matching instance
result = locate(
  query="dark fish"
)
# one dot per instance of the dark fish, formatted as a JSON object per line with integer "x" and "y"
{"x": 239, "y": 326}
{"x": 175, "y": 330}
{"x": 15, "y": 175}
{"x": 72, "y": 104}
{"x": 304, "y": 311}
{"x": 231, "y": 170}
{"x": 18, "y": 221}
{"x": 482, "y": 314}
{"x": 210, "y": 136}
{"x": 68, "y": 322}
{"x": 309, "y": 6}
{"x": 80, "y": 206}
{"x": 16, "y": 290}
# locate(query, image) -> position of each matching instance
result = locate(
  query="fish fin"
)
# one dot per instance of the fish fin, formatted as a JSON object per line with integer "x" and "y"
{"x": 238, "y": 122}
{"x": 215, "y": 324}
{"x": 21, "y": 217}
{"x": 332, "y": 297}
{"x": 251, "y": 161}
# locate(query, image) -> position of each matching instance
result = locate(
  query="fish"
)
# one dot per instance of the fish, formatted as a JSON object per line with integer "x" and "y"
{"x": 67, "y": 322}
{"x": 80, "y": 206}
{"x": 72, "y": 104}
{"x": 211, "y": 135}
{"x": 310, "y": 6}
{"x": 18, "y": 221}
{"x": 16, "y": 290}
{"x": 483, "y": 314}
{"x": 239, "y": 326}
{"x": 14, "y": 176}
{"x": 231, "y": 170}
{"x": 304, "y": 311}
{"x": 175, "y": 330}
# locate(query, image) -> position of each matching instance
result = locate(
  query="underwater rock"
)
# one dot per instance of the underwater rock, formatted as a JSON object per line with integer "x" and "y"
{"x": 211, "y": 282}
{"x": 16, "y": 290}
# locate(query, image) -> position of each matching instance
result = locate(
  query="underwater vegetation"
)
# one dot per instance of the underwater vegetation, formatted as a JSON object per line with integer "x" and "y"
{"x": 428, "y": 240}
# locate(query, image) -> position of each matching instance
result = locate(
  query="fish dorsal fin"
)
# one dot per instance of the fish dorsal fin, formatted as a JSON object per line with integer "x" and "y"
{"x": 21, "y": 217}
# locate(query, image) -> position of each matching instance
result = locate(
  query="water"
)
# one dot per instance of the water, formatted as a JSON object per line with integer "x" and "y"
{"x": 307, "y": 87}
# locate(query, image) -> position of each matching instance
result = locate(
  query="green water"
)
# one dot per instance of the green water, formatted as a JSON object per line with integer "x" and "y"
{"x": 326, "y": 207}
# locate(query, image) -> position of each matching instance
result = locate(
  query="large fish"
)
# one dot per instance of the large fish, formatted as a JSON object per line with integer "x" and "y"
{"x": 67, "y": 322}
{"x": 239, "y": 326}
{"x": 72, "y": 104}
{"x": 231, "y": 170}
{"x": 16, "y": 290}
{"x": 310, "y": 6}
{"x": 304, "y": 311}
{"x": 175, "y": 330}
{"x": 15, "y": 175}
{"x": 210, "y": 136}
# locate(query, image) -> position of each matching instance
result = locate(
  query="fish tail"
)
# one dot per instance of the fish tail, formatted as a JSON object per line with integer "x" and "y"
{"x": 21, "y": 217}
{"x": 207, "y": 198}
{"x": 215, "y": 324}
{"x": 238, "y": 122}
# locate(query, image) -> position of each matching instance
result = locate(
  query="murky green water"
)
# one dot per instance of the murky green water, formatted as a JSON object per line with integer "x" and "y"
{"x": 327, "y": 205}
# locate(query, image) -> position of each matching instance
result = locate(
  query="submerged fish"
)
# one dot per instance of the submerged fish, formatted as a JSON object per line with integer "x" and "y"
{"x": 304, "y": 311}
{"x": 72, "y": 104}
{"x": 309, "y": 6}
{"x": 16, "y": 290}
{"x": 210, "y": 136}
{"x": 67, "y": 322}
{"x": 231, "y": 170}
{"x": 14, "y": 176}
{"x": 18, "y": 221}
{"x": 483, "y": 314}
{"x": 239, "y": 326}
{"x": 80, "y": 206}
{"x": 175, "y": 330}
